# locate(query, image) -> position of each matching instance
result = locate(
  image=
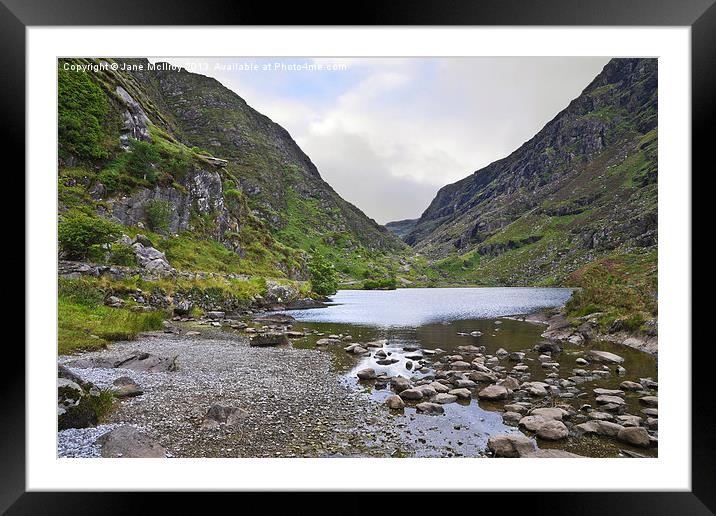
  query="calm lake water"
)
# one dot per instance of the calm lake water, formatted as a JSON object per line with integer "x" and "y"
{"x": 443, "y": 318}
{"x": 414, "y": 307}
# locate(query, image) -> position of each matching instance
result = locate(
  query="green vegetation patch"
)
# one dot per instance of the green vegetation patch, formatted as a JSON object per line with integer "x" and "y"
{"x": 85, "y": 323}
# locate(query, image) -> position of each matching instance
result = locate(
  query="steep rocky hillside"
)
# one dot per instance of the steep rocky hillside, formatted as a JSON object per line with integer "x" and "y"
{"x": 215, "y": 184}
{"x": 401, "y": 227}
{"x": 582, "y": 189}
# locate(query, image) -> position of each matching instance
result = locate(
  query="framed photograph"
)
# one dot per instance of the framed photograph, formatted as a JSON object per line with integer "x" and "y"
{"x": 419, "y": 250}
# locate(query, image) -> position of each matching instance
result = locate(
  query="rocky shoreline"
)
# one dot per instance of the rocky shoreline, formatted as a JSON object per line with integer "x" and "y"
{"x": 222, "y": 387}
{"x": 560, "y": 328}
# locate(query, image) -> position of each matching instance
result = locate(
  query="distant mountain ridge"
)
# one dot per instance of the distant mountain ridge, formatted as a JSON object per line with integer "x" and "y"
{"x": 585, "y": 186}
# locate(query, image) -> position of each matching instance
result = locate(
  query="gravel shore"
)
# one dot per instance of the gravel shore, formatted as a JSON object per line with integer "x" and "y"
{"x": 297, "y": 405}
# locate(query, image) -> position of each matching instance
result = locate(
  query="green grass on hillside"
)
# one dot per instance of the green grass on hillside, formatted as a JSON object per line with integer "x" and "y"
{"x": 85, "y": 323}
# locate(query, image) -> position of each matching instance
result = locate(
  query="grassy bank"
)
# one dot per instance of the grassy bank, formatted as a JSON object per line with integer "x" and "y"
{"x": 84, "y": 323}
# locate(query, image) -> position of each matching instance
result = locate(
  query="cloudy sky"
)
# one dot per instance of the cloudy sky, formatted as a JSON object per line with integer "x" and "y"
{"x": 387, "y": 133}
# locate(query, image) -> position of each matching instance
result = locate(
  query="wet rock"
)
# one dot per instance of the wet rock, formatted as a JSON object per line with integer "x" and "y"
{"x": 400, "y": 383}
{"x": 439, "y": 387}
{"x": 125, "y": 387}
{"x": 411, "y": 394}
{"x": 220, "y": 415}
{"x": 387, "y": 361}
{"x": 549, "y": 413}
{"x": 482, "y": 377}
{"x": 649, "y": 401}
{"x": 552, "y": 430}
{"x": 443, "y": 398}
{"x": 603, "y": 356}
{"x": 516, "y": 407}
{"x": 462, "y": 393}
{"x": 509, "y": 383}
{"x": 629, "y": 420}
{"x": 426, "y": 390}
{"x": 511, "y": 418}
{"x": 493, "y": 392}
{"x": 604, "y": 428}
{"x": 601, "y": 416}
{"x": 552, "y": 453}
{"x": 607, "y": 392}
{"x": 606, "y": 399}
{"x": 269, "y": 339}
{"x": 429, "y": 408}
{"x": 395, "y": 402}
{"x": 460, "y": 365}
{"x": 516, "y": 356}
{"x": 512, "y": 445}
{"x": 636, "y": 436}
{"x": 127, "y": 442}
{"x": 532, "y": 423}
{"x": 366, "y": 374}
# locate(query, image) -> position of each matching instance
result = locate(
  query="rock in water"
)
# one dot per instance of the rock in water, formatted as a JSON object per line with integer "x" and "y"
{"x": 128, "y": 442}
{"x": 493, "y": 392}
{"x": 269, "y": 339}
{"x": 395, "y": 402}
{"x": 366, "y": 374}
{"x": 429, "y": 408}
{"x": 444, "y": 398}
{"x": 552, "y": 430}
{"x": 603, "y": 356}
{"x": 512, "y": 445}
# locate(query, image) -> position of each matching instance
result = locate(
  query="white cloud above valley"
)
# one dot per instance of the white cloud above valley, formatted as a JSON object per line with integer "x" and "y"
{"x": 387, "y": 133}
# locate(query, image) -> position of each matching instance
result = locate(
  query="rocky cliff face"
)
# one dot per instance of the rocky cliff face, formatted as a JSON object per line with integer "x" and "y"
{"x": 583, "y": 187}
{"x": 180, "y": 154}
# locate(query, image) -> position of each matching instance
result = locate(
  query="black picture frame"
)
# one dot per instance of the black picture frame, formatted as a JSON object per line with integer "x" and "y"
{"x": 700, "y": 15}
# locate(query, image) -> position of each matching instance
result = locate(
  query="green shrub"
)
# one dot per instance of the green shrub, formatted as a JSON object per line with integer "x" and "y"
{"x": 80, "y": 291}
{"x": 122, "y": 254}
{"x": 159, "y": 214}
{"x": 81, "y": 107}
{"x": 388, "y": 283}
{"x": 78, "y": 233}
{"x": 324, "y": 280}
{"x": 141, "y": 161}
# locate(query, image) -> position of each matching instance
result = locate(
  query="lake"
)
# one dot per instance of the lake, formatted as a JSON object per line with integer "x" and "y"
{"x": 425, "y": 320}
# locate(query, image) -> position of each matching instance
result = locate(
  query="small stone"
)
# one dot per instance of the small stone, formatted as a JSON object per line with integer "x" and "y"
{"x": 637, "y": 436}
{"x": 429, "y": 408}
{"x": 366, "y": 374}
{"x": 395, "y": 402}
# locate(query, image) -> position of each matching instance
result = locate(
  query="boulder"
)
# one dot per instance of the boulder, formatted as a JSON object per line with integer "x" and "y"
{"x": 125, "y": 387}
{"x": 400, "y": 383}
{"x": 395, "y": 402}
{"x": 631, "y": 386}
{"x": 150, "y": 258}
{"x": 462, "y": 393}
{"x": 269, "y": 339}
{"x": 480, "y": 376}
{"x": 605, "y": 428}
{"x": 603, "y": 356}
{"x": 139, "y": 361}
{"x": 532, "y": 423}
{"x": 512, "y": 445}
{"x": 411, "y": 394}
{"x": 635, "y": 435}
{"x": 649, "y": 401}
{"x": 549, "y": 413}
{"x": 443, "y": 398}
{"x": 493, "y": 392}
{"x": 429, "y": 408}
{"x": 127, "y": 442}
{"x": 220, "y": 415}
{"x": 366, "y": 374}
{"x": 552, "y": 430}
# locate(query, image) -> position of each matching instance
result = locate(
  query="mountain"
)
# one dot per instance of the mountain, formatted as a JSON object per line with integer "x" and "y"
{"x": 583, "y": 189}
{"x": 162, "y": 149}
{"x": 401, "y": 228}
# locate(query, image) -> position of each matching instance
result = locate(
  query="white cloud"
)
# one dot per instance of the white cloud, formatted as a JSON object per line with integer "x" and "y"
{"x": 386, "y": 133}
